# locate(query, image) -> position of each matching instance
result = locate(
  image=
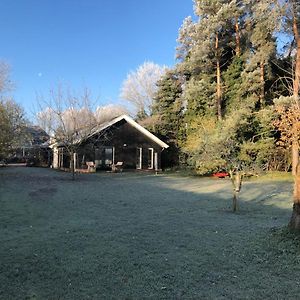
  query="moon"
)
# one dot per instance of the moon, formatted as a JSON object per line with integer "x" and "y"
{"x": 40, "y": 74}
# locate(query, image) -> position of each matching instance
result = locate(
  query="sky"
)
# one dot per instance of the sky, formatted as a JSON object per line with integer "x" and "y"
{"x": 85, "y": 43}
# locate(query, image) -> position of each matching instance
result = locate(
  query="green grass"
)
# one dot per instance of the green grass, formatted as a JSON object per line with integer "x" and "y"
{"x": 141, "y": 236}
{"x": 275, "y": 176}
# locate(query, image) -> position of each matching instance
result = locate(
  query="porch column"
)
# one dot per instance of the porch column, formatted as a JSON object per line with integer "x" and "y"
{"x": 156, "y": 161}
{"x": 55, "y": 158}
{"x": 75, "y": 161}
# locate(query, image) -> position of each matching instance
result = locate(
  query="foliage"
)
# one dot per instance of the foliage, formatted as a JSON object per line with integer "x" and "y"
{"x": 257, "y": 154}
{"x": 231, "y": 69}
{"x": 12, "y": 117}
{"x": 233, "y": 85}
{"x": 230, "y": 144}
{"x": 140, "y": 87}
{"x": 168, "y": 106}
{"x": 167, "y": 112}
{"x": 199, "y": 94}
{"x": 287, "y": 121}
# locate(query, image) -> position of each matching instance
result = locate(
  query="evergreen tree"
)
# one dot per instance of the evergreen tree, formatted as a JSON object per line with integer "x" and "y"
{"x": 213, "y": 34}
{"x": 167, "y": 111}
{"x": 263, "y": 19}
{"x": 229, "y": 60}
{"x": 233, "y": 82}
{"x": 185, "y": 39}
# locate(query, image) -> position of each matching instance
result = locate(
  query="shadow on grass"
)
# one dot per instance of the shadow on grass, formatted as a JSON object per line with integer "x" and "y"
{"x": 137, "y": 236}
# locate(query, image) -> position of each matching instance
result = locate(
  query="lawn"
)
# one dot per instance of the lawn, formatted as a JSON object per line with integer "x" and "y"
{"x": 141, "y": 236}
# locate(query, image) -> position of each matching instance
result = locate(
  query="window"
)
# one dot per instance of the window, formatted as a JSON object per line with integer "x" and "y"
{"x": 108, "y": 156}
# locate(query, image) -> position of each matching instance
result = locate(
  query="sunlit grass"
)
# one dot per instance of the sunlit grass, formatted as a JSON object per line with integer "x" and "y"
{"x": 275, "y": 175}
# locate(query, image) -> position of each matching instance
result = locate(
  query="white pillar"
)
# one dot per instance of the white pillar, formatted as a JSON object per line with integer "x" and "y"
{"x": 55, "y": 158}
{"x": 75, "y": 161}
{"x": 156, "y": 162}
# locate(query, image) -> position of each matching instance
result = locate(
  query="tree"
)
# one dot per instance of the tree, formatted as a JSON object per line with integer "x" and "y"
{"x": 287, "y": 108}
{"x": 288, "y": 125}
{"x": 12, "y": 117}
{"x": 4, "y": 131}
{"x": 213, "y": 33}
{"x": 214, "y": 145}
{"x": 294, "y": 9}
{"x": 5, "y": 82}
{"x": 109, "y": 112}
{"x": 12, "y": 126}
{"x": 140, "y": 87}
{"x": 264, "y": 21}
{"x": 68, "y": 119}
{"x": 237, "y": 144}
{"x": 185, "y": 39}
{"x": 167, "y": 113}
{"x": 168, "y": 105}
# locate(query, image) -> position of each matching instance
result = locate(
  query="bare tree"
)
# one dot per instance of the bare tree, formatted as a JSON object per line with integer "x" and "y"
{"x": 140, "y": 87}
{"x": 5, "y": 82}
{"x": 68, "y": 119}
{"x": 109, "y": 112}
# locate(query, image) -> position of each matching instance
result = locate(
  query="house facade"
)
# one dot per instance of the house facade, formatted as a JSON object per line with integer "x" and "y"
{"x": 122, "y": 141}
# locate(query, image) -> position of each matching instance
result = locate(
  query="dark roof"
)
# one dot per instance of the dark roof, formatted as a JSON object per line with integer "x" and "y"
{"x": 35, "y": 135}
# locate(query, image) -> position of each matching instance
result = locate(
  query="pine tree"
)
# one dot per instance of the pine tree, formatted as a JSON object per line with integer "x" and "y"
{"x": 212, "y": 34}
{"x": 263, "y": 19}
{"x": 185, "y": 39}
{"x": 167, "y": 112}
{"x": 168, "y": 105}
{"x": 230, "y": 63}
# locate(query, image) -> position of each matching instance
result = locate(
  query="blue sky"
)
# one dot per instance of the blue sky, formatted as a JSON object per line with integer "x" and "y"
{"x": 85, "y": 43}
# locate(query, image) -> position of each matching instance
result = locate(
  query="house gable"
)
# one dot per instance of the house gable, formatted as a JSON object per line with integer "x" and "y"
{"x": 135, "y": 125}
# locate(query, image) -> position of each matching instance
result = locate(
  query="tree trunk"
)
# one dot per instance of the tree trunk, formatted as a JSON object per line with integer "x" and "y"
{"x": 234, "y": 201}
{"x": 295, "y": 157}
{"x": 236, "y": 180}
{"x": 295, "y": 219}
{"x": 237, "y": 38}
{"x": 297, "y": 63}
{"x": 295, "y": 145}
{"x": 219, "y": 90}
{"x": 72, "y": 164}
{"x": 262, "y": 82}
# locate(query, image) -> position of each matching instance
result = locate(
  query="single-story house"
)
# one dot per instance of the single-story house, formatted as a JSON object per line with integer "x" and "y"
{"x": 120, "y": 141}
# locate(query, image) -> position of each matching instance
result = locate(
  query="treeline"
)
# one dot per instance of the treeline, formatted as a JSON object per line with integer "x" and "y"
{"x": 232, "y": 101}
